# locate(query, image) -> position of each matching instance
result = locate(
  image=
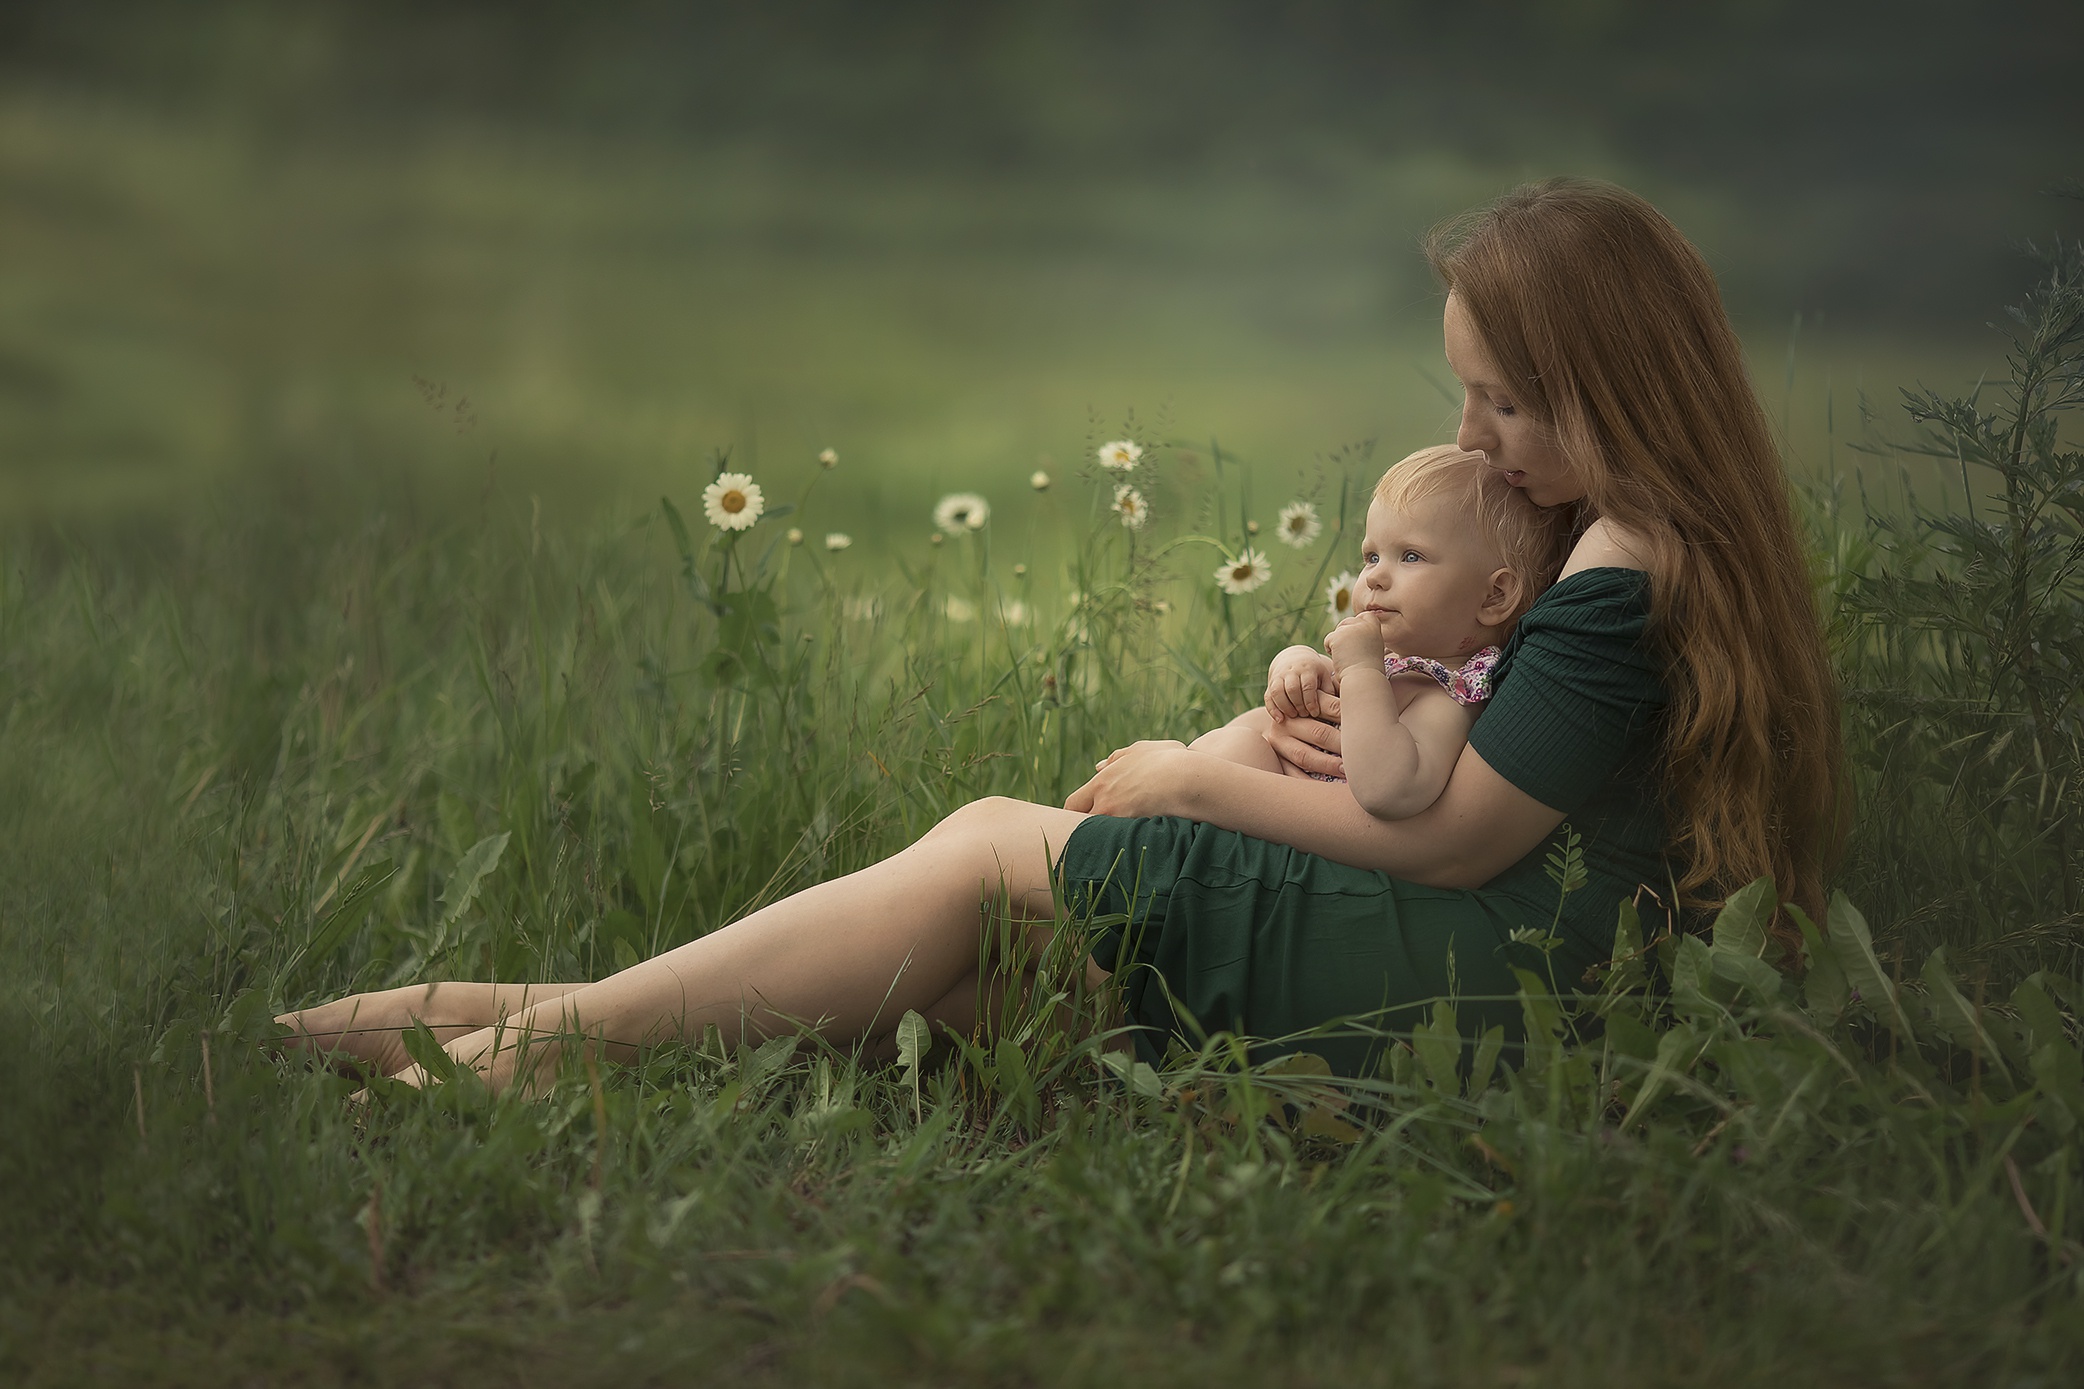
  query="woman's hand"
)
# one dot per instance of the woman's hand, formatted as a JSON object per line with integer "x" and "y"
{"x": 1311, "y": 744}
{"x": 1148, "y": 778}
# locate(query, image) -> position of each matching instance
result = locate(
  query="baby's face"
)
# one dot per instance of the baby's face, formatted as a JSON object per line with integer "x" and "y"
{"x": 1427, "y": 572}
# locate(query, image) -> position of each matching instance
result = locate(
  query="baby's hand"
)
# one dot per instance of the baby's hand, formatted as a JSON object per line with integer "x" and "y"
{"x": 1357, "y": 641}
{"x": 1298, "y": 684}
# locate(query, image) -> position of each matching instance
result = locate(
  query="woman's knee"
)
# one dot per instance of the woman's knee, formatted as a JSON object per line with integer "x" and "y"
{"x": 1002, "y": 837}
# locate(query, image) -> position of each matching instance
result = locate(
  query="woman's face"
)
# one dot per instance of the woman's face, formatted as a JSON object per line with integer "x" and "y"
{"x": 1511, "y": 441}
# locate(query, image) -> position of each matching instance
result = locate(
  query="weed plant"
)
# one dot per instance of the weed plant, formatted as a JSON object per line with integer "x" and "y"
{"x": 276, "y": 763}
{"x": 1963, "y": 649}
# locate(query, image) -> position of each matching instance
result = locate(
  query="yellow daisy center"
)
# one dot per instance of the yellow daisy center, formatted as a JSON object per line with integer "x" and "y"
{"x": 732, "y": 501}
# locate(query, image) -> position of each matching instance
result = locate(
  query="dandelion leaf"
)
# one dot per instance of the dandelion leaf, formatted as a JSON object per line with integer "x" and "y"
{"x": 2042, "y": 1018}
{"x": 1957, "y": 1019}
{"x": 475, "y": 866}
{"x": 1747, "y": 973}
{"x": 1486, "y": 1063}
{"x": 1677, "y": 1050}
{"x": 1439, "y": 1047}
{"x": 1824, "y": 990}
{"x": 1853, "y": 947}
{"x": 1740, "y": 927}
{"x": 914, "y": 1040}
{"x": 1693, "y": 979}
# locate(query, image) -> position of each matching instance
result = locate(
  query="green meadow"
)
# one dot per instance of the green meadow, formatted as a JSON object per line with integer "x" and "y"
{"x": 360, "y": 623}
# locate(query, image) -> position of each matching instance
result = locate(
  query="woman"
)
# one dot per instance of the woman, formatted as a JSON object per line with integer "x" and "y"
{"x": 1669, "y": 698}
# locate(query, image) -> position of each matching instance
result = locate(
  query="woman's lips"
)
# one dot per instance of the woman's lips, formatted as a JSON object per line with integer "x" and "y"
{"x": 1514, "y": 477}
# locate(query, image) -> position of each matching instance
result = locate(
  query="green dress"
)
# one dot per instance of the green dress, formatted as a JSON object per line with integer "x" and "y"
{"x": 1221, "y": 931}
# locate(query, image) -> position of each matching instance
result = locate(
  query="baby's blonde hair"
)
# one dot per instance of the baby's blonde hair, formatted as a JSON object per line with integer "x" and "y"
{"x": 1532, "y": 541}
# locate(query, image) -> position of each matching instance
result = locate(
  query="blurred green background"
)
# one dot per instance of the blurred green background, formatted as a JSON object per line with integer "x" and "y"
{"x": 328, "y": 254}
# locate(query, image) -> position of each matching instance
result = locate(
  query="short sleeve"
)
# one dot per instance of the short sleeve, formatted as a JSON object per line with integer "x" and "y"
{"x": 1579, "y": 693}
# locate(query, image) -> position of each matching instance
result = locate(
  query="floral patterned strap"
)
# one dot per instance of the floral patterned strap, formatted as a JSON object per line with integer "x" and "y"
{"x": 1469, "y": 685}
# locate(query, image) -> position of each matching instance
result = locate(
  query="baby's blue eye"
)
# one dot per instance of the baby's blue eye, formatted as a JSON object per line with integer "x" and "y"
{"x": 1413, "y": 557}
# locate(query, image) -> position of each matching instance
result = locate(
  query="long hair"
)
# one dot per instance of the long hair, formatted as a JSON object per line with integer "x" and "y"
{"x": 1609, "y": 331}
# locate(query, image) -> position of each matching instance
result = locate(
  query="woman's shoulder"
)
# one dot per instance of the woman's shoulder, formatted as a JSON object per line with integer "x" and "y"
{"x": 1605, "y": 545}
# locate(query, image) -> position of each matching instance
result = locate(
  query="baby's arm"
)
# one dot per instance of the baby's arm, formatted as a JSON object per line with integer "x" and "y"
{"x": 1397, "y": 764}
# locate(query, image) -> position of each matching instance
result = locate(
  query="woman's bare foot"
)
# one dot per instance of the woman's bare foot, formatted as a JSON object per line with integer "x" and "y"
{"x": 366, "y": 1032}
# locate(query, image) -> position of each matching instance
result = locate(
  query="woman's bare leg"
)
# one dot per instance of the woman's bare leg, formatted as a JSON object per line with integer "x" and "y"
{"x": 848, "y": 956}
{"x": 367, "y": 1030}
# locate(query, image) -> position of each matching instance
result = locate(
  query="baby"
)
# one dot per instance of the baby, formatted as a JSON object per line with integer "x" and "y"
{"x": 1452, "y": 557}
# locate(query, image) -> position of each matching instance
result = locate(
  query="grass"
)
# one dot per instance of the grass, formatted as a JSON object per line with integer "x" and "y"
{"x": 371, "y": 711}
{"x": 284, "y": 717}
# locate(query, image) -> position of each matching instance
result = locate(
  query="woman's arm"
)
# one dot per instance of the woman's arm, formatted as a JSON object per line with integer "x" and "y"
{"x": 1481, "y": 825}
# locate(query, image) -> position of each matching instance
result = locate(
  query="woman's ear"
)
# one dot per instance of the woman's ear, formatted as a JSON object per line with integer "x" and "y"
{"x": 1502, "y": 599}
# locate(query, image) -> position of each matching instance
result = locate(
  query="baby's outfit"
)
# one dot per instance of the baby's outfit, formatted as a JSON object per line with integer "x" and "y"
{"x": 1469, "y": 685}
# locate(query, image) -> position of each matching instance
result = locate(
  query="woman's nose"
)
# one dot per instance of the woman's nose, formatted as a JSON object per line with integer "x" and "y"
{"x": 1471, "y": 436}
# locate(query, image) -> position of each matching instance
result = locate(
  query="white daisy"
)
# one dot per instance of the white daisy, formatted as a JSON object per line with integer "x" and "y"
{"x": 829, "y": 457}
{"x": 1245, "y": 573}
{"x": 1298, "y": 525}
{"x": 1014, "y": 614}
{"x": 838, "y": 540}
{"x": 1338, "y": 597}
{"x": 1121, "y": 455}
{"x": 961, "y": 511}
{"x": 795, "y": 536}
{"x": 959, "y": 609}
{"x": 1131, "y": 507}
{"x": 733, "y": 502}
{"x": 1039, "y": 480}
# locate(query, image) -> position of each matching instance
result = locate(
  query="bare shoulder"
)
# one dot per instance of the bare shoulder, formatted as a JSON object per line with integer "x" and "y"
{"x": 1605, "y": 545}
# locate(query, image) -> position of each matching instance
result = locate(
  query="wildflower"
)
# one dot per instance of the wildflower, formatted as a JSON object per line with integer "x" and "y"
{"x": 1251, "y": 528}
{"x": 958, "y": 609}
{"x": 838, "y": 540}
{"x": 1014, "y": 614}
{"x": 1039, "y": 480}
{"x": 961, "y": 511}
{"x": 1020, "y": 571}
{"x": 1131, "y": 507}
{"x": 1245, "y": 573}
{"x": 1338, "y": 597}
{"x": 1121, "y": 455}
{"x": 733, "y": 502}
{"x": 829, "y": 457}
{"x": 936, "y": 540}
{"x": 795, "y": 536}
{"x": 1298, "y": 525}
